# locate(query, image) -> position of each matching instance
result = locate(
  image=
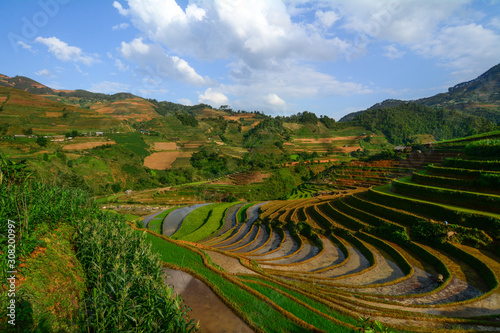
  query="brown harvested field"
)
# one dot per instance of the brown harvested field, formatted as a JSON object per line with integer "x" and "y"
{"x": 237, "y": 117}
{"x": 349, "y": 149}
{"x": 87, "y": 145}
{"x": 165, "y": 145}
{"x": 332, "y": 139}
{"x": 3, "y": 99}
{"x": 163, "y": 160}
{"x": 249, "y": 178}
{"x": 49, "y": 114}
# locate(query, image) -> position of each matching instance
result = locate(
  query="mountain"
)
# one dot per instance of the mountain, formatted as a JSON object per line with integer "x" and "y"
{"x": 34, "y": 87}
{"x": 479, "y": 97}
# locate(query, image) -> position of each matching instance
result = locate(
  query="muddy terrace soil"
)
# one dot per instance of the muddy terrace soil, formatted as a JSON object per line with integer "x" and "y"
{"x": 350, "y": 272}
{"x": 87, "y": 145}
{"x": 212, "y": 314}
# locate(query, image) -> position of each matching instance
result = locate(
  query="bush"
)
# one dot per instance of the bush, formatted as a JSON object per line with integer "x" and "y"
{"x": 483, "y": 148}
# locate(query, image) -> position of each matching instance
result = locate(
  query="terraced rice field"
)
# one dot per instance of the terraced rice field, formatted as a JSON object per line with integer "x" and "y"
{"x": 412, "y": 256}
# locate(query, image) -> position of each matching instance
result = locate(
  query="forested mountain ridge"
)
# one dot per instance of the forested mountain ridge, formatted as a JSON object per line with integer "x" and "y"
{"x": 402, "y": 122}
{"x": 480, "y": 97}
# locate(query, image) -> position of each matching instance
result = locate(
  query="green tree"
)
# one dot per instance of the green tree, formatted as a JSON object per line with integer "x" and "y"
{"x": 41, "y": 141}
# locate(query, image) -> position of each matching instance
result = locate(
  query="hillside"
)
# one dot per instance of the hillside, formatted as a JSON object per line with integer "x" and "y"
{"x": 479, "y": 97}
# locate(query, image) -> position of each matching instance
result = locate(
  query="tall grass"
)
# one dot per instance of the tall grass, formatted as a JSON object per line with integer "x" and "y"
{"x": 124, "y": 280}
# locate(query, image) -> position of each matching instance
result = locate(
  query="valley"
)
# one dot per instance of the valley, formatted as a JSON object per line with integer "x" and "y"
{"x": 388, "y": 221}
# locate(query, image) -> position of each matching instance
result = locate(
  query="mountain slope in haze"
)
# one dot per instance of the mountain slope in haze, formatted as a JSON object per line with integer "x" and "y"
{"x": 479, "y": 97}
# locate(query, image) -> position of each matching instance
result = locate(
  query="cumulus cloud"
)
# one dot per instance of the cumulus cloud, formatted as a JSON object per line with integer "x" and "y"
{"x": 152, "y": 59}
{"x": 260, "y": 32}
{"x": 65, "y": 52}
{"x": 213, "y": 97}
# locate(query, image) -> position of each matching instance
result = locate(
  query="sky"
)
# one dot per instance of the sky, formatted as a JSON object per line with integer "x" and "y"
{"x": 280, "y": 57}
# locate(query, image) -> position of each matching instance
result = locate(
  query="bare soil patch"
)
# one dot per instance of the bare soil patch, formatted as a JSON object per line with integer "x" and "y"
{"x": 165, "y": 145}
{"x": 163, "y": 160}
{"x": 50, "y": 114}
{"x": 87, "y": 145}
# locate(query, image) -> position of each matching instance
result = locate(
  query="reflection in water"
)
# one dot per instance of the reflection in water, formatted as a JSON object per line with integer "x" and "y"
{"x": 212, "y": 314}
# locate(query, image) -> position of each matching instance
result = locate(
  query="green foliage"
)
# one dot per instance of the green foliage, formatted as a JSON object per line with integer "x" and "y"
{"x": 401, "y": 122}
{"x": 132, "y": 143}
{"x": 472, "y": 164}
{"x": 41, "y": 141}
{"x": 11, "y": 171}
{"x": 208, "y": 159}
{"x": 267, "y": 132}
{"x": 187, "y": 119}
{"x": 279, "y": 184}
{"x": 73, "y": 133}
{"x": 39, "y": 307}
{"x": 125, "y": 281}
{"x": 116, "y": 187}
{"x": 484, "y": 148}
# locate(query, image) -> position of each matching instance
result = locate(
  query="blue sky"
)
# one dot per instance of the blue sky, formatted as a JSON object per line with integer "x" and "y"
{"x": 280, "y": 57}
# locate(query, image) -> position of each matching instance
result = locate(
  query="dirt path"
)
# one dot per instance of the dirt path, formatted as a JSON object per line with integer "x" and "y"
{"x": 212, "y": 314}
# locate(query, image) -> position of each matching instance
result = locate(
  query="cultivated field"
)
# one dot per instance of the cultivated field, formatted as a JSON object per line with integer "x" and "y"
{"x": 420, "y": 253}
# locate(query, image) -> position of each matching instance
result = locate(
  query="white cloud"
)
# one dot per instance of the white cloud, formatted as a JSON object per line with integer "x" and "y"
{"x": 466, "y": 48}
{"x": 25, "y": 46}
{"x": 392, "y": 52}
{"x": 65, "y": 52}
{"x": 120, "y": 8}
{"x": 260, "y": 32}
{"x": 107, "y": 87}
{"x": 276, "y": 101}
{"x": 121, "y": 26}
{"x": 184, "y": 101}
{"x": 152, "y": 59}
{"x": 44, "y": 72}
{"x": 121, "y": 66}
{"x": 327, "y": 19}
{"x": 213, "y": 98}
